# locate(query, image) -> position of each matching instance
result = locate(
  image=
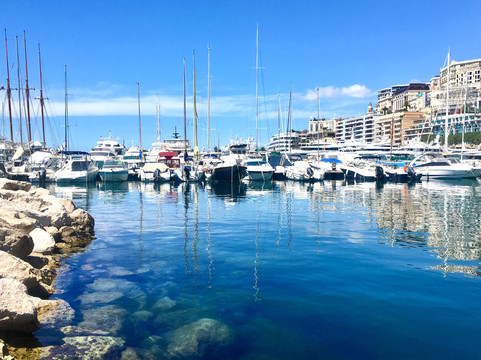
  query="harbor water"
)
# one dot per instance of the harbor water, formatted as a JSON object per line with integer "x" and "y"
{"x": 279, "y": 271}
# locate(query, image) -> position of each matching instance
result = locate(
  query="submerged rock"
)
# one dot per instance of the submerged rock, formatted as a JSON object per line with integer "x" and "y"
{"x": 164, "y": 304}
{"x": 100, "y": 297}
{"x": 195, "y": 338}
{"x": 108, "y": 318}
{"x": 85, "y": 348}
{"x": 54, "y": 313}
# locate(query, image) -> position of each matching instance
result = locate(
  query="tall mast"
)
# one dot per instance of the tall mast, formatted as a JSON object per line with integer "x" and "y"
{"x": 19, "y": 94}
{"x": 27, "y": 90}
{"x": 446, "y": 132}
{"x": 278, "y": 119}
{"x": 289, "y": 121}
{"x": 157, "y": 110}
{"x": 464, "y": 117}
{"x": 208, "y": 99}
{"x": 257, "y": 87}
{"x": 140, "y": 121}
{"x": 318, "y": 122}
{"x": 195, "y": 108}
{"x": 185, "y": 117}
{"x": 67, "y": 147}
{"x": 41, "y": 97}
{"x": 9, "y": 90}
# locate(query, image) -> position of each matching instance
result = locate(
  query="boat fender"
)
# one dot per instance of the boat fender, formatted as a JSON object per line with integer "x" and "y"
{"x": 406, "y": 168}
{"x": 187, "y": 172}
{"x": 156, "y": 174}
{"x": 310, "y": 172}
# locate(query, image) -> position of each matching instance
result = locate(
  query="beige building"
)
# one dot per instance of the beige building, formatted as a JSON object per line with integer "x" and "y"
{"x": 410, "y": 98}
{"x": 464, "y": 85}
{"x": 402, "y": 126}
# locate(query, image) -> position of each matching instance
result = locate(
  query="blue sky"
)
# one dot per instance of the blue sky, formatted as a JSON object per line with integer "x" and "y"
{"x": 349, "y": 49}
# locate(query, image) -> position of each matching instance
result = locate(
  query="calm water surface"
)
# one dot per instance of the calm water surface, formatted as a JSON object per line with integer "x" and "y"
{"x": 293, "y": 271}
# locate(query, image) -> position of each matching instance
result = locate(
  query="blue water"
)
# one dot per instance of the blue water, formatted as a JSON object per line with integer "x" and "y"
{"x": 295, "y": 271}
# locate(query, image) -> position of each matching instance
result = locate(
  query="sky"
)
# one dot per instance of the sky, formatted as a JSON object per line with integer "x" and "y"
{"x": 345, "y": 51}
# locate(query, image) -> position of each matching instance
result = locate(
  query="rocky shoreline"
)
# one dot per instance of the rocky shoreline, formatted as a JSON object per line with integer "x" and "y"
{"x": 37, "y": 230}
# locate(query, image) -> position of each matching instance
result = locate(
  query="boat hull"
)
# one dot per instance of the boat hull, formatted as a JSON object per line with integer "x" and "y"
{"x": 114, "y": 176}
{"x": 228, "y": 173}
{"x": 260, "y": 175}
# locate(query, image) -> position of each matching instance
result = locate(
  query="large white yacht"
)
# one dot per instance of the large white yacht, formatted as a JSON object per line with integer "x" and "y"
{"x": 107, "y": 148}
{"x": 284, "y": 142}
{"x": 176, "y": 144}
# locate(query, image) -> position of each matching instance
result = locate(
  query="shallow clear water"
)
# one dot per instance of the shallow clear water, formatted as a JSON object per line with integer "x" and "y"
{"x": 295, "y": 271}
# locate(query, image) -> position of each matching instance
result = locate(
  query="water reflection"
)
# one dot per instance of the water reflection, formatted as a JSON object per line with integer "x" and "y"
{"x": 229, "y": 191}
{"x": 444, "y": 216}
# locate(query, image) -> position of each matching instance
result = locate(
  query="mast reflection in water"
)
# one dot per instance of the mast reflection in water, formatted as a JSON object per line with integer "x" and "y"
{"x": 278, "y": 270}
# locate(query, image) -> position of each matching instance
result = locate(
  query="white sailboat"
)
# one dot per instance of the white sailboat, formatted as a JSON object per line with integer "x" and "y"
{"x": 190, "y": 171}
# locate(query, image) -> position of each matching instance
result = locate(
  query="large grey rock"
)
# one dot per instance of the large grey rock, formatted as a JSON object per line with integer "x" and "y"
{"x": 43, "y": 242}
{"x": 82, "y": 220}
{"x": 6, "y": 184}
{"x": 24, "y": 198}
{"x": 85, "y": 348}
{"x": 23, "y": 209}
{"x": 17, "y": 310}
{"x": 58, "y": 214}
{"x": 194, "y": 339}
{"x": 18, "y": 220}
{"x": 14, "y": 241}
{"x": 12, "y": 267}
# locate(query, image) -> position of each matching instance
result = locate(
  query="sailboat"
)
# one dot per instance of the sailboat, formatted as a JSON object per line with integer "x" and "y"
{"x": 189, "y": 171}
{"x": 258, "y": 169}
{"x": 78, "y": 167}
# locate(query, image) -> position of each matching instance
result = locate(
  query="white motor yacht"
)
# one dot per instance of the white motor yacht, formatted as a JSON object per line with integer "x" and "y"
{"x": 258, "y": 170}
{"x": 303, "y": 171}
{"x": 155, "y": 172}
{"x": 363, "y": 169}
{"x": 114, "y": 171}
{"x": 78, "y": 168}
{"x": 441, "y": 167}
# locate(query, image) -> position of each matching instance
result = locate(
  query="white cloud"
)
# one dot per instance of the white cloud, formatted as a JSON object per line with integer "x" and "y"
{"x": 355, "y": 91}
{"x": 104, "y": 103}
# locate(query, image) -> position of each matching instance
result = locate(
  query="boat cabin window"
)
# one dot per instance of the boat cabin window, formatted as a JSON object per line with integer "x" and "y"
{"x": 79, "y": 166}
